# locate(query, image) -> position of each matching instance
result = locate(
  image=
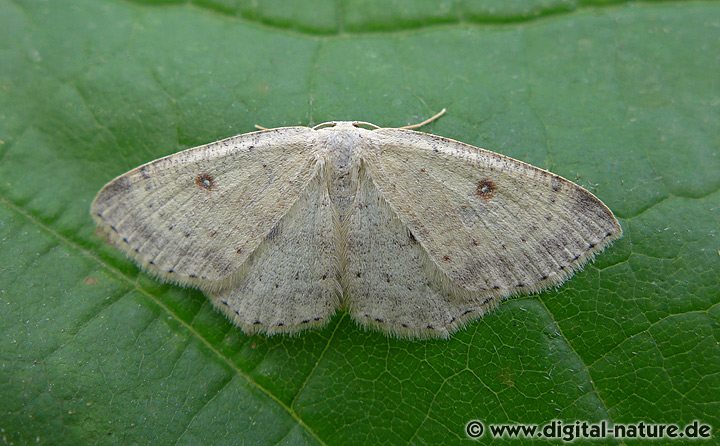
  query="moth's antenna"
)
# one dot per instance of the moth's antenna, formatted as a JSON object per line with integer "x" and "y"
{"x": 427, "y": 121}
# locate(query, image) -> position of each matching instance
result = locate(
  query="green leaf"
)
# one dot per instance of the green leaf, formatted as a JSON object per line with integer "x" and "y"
{"x": 623, "y": 98}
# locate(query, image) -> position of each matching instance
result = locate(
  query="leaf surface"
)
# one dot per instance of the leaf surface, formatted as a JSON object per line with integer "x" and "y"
{"x": 622, "y": 98}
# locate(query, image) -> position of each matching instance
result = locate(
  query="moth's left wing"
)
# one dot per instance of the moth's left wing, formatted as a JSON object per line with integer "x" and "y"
{"x": 197, "y": 216}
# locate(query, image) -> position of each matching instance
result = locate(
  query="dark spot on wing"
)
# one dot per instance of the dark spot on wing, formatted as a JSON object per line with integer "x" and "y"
{"x": 556, "y": 184}
{"x": 119, "y": 186}
{"x": 273, "y": 233}
{"x": 485, "y": 189}
{"x": 587, "y": 204}
{"x": 205, "y": 181}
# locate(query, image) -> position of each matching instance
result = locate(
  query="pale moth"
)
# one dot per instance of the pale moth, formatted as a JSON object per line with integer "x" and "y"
{"x": 410, "y": 233}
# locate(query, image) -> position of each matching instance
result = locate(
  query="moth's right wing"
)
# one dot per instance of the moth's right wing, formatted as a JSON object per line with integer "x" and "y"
{"x": 491, "y": 224}
{"x": 196, "y": 216}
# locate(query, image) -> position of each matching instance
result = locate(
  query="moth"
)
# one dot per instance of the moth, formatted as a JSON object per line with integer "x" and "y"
{"x": 410, "y": 233}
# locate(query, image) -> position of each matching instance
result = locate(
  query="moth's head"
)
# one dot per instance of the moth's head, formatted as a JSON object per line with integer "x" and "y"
{"x": 346, "y": 125}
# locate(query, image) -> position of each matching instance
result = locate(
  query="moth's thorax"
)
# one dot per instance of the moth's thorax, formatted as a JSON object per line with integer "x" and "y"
{"x": 342, "y": 142}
